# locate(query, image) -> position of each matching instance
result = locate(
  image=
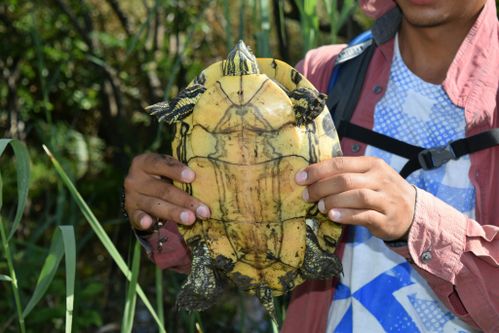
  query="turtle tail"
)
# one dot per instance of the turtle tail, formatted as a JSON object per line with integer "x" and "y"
{"x": 180, "y": 107}
{"x": 264, "y": 294}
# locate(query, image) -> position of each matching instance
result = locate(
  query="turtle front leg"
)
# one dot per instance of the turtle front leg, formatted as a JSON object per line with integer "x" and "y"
{"x": 307, "y": 104}
{"x": 203, "y": 286}
{"x": 179, "y": 107}
{"x": 318, "y": 264}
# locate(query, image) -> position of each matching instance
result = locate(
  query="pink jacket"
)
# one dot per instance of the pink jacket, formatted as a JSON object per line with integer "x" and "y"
{"x": 464, "y": 269}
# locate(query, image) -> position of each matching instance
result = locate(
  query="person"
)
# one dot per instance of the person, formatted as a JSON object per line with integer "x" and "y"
{"x": 420, "y": 254}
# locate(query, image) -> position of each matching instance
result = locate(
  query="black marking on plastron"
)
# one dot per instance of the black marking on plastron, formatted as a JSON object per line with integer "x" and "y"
{"x": 295, "y": 76}
{"x": 217, "y": 160}
{"x": 276, "y": 193}
{"x": 182, "y": 146}
{"x": 311, "y": 130}
{"x": 249, "y": 100}
{"x": 270, "y": 256}
{"x": 329, "y": 129}
{"x": 182, "y": 151}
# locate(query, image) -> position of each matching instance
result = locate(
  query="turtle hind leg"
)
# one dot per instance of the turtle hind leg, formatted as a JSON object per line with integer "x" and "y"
{"x": 317, "y": 263}
{"x": 307, "y": 104}
{"x": 203, "y": 286}
{"x": 180, "y": 107}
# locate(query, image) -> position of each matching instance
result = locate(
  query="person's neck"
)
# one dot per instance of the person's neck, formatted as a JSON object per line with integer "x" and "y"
{"x": 428, "y": 52}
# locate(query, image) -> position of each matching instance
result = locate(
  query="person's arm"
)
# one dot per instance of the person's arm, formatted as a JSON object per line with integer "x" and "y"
{"x": 458, "y": 257}
{"x": 155, "y": 206}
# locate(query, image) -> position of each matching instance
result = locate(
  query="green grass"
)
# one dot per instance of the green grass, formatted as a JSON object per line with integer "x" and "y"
{"x": 63, "y": 98}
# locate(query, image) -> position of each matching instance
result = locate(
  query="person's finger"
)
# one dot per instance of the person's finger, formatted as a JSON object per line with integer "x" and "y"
{"x": 365, "y": 217}
{"x": 164, "y": 166}
{"x": 358, "y": 199}
{"x": 141, "y": 220}
{"x": 165, "y": 191}
{"x": 164, "y": 210}
{"x": 338, "y": 184}
{"x": 334, "y": 166}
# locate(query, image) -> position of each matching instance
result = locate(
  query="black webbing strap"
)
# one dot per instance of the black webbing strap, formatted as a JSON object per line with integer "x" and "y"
{"x": 432, "y": 158}
{"x": 378, "y": 140}
{"x": 421, "y": 158}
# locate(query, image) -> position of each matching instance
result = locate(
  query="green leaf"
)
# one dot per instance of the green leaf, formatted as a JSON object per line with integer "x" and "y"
{"x": 158, "y": 278}
{"x": 23, "y": 177}
{"x": 68, "y": 237}
{"x": 131, "y": 298}
{"x": 101, "y": 234}
{"x": 4, "y": 241}
{"x": 63, "y": 244}
{"x": 47, "y": 272}
{"x": 5, "y": 278}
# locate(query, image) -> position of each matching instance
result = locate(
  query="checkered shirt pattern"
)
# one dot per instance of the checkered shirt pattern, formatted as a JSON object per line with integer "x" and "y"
{"x": 380, "y": 291}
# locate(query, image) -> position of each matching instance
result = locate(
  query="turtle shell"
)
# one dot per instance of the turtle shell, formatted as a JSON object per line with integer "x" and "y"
{"x": 243, "y": 142}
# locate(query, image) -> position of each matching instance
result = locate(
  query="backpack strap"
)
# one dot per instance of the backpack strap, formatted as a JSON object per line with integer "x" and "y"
{"x": 419, "y": 157}
{"x": 432, "y": 158}
{"x": 353, "y": 62}
{"x": 344, "y": 91}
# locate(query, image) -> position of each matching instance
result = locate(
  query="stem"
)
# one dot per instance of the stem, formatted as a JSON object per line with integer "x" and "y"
{"x": 15, "y": 289}
{"x": 159, "y": 295}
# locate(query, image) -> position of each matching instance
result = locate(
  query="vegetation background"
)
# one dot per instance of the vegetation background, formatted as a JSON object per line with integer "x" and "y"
{"x": 76, "y": 76}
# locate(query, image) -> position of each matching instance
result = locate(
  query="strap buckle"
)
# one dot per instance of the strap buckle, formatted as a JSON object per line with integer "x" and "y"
{"x": 433, "y": 158}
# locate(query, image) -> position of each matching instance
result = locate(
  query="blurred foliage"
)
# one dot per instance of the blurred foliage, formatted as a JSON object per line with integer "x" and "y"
{"x": 76, "y": 76}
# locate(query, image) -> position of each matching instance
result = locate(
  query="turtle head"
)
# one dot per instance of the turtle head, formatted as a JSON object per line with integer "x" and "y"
{"x": 240, "y": 61}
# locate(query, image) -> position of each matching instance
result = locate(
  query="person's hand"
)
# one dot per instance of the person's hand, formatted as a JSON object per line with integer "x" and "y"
{"x": 361, "y": 191}
{"x": 149, "y": 194}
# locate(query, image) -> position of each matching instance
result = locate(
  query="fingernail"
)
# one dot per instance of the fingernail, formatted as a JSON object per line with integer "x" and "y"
{"x": 187, "y": 175}
{"x": 305, "y": 195}
{"x": 203, "y": 211}
{"x": 145, "y": 222}
{"x": 301, "y": 177}
{"x": 186, "y": 218}
{"x": 334, "y": 215}
{"x": 321, "y": 206}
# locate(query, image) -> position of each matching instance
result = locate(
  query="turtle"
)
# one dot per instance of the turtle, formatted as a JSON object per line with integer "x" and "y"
{"x": 246, "y": 126}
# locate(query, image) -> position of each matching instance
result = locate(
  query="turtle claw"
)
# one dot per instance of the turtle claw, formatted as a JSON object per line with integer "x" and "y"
{"x": 307, "y": 104}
